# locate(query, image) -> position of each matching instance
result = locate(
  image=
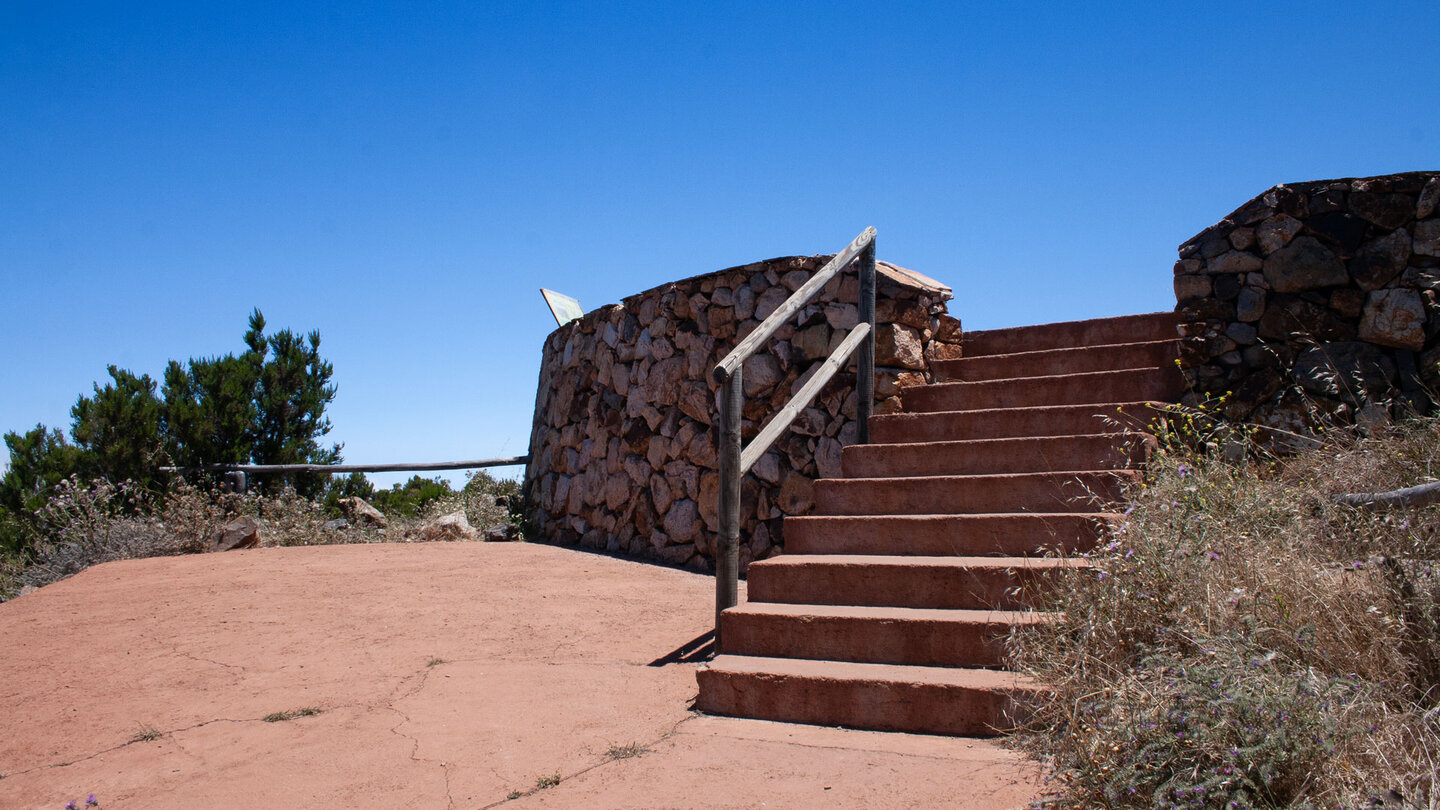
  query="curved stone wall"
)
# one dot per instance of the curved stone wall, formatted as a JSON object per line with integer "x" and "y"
{"x": 1316, "y": 302}
{"x": 622, "y": 452}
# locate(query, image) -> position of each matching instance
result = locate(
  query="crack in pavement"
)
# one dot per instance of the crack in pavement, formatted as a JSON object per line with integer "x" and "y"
{"x": 424, "y": 677}
{"x": 602, "y": 763}
{"x": 125, "y": 744}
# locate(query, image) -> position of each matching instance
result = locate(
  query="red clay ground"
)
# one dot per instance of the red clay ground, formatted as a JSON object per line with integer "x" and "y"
{"x": 446, "y": 675}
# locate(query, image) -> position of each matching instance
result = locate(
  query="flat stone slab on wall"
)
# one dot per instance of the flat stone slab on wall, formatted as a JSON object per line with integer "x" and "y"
{"x": 1316, "y": 302}
{"x": 623, "y": 453}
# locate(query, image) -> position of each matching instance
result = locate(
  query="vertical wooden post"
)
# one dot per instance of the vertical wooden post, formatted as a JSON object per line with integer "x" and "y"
{"x": 865, "y": 362}
{"x": 727, "y": 546}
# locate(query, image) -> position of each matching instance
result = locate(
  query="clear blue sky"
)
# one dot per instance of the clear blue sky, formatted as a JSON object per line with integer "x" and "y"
{"x": 403, "y": 177}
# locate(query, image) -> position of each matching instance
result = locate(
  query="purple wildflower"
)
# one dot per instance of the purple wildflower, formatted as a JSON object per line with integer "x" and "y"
{"x": 91, "y": 801}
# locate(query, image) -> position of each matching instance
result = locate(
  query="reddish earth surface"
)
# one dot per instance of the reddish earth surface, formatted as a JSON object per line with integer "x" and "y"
{"x": 445, "y": 675}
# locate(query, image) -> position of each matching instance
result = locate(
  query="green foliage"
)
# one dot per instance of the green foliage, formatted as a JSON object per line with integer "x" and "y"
{"x": 354, "y": 485}
{"x": 263, "y": 406}
{"x": 412, "y": 497}
{"x": 39, "y": 460}
{"x": 118, "y": 429}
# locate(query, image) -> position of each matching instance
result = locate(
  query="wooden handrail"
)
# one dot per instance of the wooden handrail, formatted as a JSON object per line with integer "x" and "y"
{"x": 802, "y": 296}
{"x": 735, "y": 459}
{"x": 785, "y": 417}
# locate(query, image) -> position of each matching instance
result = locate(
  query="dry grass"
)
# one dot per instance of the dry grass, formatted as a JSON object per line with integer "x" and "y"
{"x": 86, "y": 524}
{"x": 1242, "y": 641}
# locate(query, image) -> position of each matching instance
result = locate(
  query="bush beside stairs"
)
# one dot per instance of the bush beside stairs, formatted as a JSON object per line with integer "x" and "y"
{"x": 890, "y": 607}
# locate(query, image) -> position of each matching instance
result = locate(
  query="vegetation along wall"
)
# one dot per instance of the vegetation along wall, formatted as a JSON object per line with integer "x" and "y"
{"x": 1317, "y": 303}
{"x": 623, "y": 453}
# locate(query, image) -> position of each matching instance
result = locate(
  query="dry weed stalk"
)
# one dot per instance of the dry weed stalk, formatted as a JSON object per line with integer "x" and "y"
{"x": 1244, "y": 641}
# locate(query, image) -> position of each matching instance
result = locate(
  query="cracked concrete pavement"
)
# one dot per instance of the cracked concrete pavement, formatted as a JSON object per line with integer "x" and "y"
{"x": 447, "y": 675}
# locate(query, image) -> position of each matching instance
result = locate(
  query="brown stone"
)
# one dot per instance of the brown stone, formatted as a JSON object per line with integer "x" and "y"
{"x": 1378, "y": 262}
{"x": 796, "y": 494}
{"x": 812, "y": 343}
{"x": 454, "y": 526}
{"x": 1242, "y": 238}
{"x": 898, "y": 345}
{"x": 1187, "y": 287}
{"x": 1304, "y": 264}
{"x": 1349, "y": 370}
{"x": 1389, "y": 211}
{"x": 695, "y": 401}
{"x": 827, "y": 457}
{"x": 682, "y": 521}
{"x": 1429, "y": 199}
{"x": 1234, "y": 261}
{"x": 359, "y": 511}
{"x": 617, "y": 491}
{"x": 761, "y": 372}
{"x": 242, "y": 532}
{"x": 1276, "y": 232}
{"x": 1394, "y": 317}
{"x": 1427, "y": 237}
{"x": 1290, "y": 314}
{"x": 1348, "y": 301}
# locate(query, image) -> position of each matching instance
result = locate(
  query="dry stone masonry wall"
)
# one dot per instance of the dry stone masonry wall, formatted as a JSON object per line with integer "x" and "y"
{"x": 1317, "y": 302}
{"x": 623, "y": 453}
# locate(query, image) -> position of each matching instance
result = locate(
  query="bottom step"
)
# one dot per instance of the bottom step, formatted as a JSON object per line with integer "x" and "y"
{"x": 880, "y": 697}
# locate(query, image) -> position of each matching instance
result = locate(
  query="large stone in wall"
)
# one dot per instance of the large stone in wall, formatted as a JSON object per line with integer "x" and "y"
{"x": 1304, "y": 264}
{"x": 1394, "y": 318}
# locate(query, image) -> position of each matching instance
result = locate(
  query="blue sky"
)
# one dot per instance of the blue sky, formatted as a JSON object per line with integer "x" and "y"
{"x": 403, "y": 177}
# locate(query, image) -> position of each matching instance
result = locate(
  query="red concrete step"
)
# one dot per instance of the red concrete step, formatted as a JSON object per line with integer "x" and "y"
{"x": 1070, "y": 334}
{"x": 1101, "y": 451}
{"x": 1006, "y": 535}
{"x": 873, "y": 635}
{"x": 1151, "y": 354}
{"x": 881, "y": 697}
{"x": 967, "y": 494}
{"x": 999, "y": 423}
{"x": 972, "y": 583}
{"x": 1164, "y": 384}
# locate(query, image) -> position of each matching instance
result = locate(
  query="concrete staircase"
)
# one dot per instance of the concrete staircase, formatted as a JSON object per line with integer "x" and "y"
{"x": 890, "y": 608}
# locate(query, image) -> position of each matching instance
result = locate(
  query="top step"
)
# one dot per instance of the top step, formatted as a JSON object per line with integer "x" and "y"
{"x": 1072, "y": 334}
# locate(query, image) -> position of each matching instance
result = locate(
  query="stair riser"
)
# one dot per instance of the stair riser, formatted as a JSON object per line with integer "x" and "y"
{"x": 1073, "y": 361}
{"x": 1082, "y": 492}
{"x": 915, "y": 708}
{"x": 893, "y": 586}
{"x": 940, "y": 535}
{"x": 1163, "y": 384}
{"x": 1103, "y": 452}
{"x": 1001, "y": 424}
{"x": 914, "y": 643}
{"x": 1126, "y": 329}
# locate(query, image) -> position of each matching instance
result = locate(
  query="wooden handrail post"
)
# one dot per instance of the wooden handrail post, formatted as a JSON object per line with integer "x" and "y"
{"x": 727, "y": 550}
{"x": 865, "y": 363}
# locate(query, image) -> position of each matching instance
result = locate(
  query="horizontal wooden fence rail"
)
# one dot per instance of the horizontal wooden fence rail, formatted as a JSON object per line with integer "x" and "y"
{"x": 354, "y": 468}
{"x": 235, "y": 473}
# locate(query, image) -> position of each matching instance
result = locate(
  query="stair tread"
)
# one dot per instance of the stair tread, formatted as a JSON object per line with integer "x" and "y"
{"x": 1067, "y": 334}
{"x": 1043, "y": 378}
{"x": 959, "y": 616}
{"x": 918, "y": 561}
{"x": 904, "y": 674}
{"x": 1042, "y": 474}
{"x": 1098, "y": 347}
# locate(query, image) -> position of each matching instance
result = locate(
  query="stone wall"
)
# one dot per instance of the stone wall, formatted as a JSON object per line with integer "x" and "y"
{"x": 623, "y": 454}
{"x": 1316, "y": 302}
